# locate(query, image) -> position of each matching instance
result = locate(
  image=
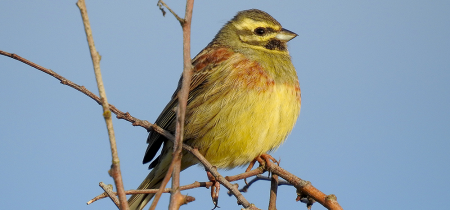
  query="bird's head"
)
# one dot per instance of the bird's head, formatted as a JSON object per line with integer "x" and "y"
{"x": 254, "y": 29}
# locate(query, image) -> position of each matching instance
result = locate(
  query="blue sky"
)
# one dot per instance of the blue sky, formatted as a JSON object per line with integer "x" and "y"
{"x": 374, "y": 128}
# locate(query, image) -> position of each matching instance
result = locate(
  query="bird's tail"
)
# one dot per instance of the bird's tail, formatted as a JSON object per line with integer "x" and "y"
{"x": 152, "y": 181}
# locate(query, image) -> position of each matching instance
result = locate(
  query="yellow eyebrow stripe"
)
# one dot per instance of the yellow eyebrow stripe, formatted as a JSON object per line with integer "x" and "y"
{"x": 250, "y": 24}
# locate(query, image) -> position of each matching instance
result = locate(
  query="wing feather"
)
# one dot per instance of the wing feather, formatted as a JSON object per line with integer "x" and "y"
{"x": 204, "y": 63}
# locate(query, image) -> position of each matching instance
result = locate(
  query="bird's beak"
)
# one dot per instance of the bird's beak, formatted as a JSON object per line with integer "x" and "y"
{"x": 285, "y": 35}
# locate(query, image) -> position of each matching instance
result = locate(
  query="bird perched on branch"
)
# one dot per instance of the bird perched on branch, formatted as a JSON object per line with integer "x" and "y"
{"x": 244, "y": 100}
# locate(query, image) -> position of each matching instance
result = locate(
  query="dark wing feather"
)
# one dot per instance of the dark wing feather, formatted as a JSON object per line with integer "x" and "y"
{"x": 203, "y": 63}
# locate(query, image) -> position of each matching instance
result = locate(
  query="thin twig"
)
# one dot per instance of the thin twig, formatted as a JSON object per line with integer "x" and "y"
{"x": 196, "y": 184}
{"x": 248, "y": 184}
{"x": 244, "y": 175}
{"x": 258, "y": 178}
{"x": 264, "y": 178}
{"x": 119, "y": 114}
{"x": 110, "y": 193}
{"x": 162, "y": 3}
{"x": 273, "y": 192}
{"x": 176, "y": 199}
{"x": 115, "y": 168}
{"x": 241, "y": 199}
{"x": 280, "y": 182}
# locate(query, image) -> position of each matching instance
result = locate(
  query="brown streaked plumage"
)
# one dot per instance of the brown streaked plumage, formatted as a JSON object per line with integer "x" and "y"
{"x": 244, "y": 99}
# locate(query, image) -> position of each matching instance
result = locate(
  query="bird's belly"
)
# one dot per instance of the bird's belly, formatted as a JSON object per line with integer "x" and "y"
{"x": 247, "y": 125}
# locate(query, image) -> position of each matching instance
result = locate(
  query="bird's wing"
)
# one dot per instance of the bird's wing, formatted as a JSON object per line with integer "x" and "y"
{"x": 203, "y": 64}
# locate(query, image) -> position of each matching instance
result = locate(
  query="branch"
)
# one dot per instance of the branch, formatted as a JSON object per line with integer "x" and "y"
{"x": 115, "y": 168}
{"x": 109, "y": 193}
{"x": 119, "y": 114}
{"x": 273, "y": 192}
{"x": 304, "y": 187}
{"x": 329, "y": 202}
{"x": 241, "y": 200}
{"x": 196, "y": 184}
{"x": 244, "y": 175}
{"x": 161, "y": 3}
{"x": 261, "y": 177}
{"x": 183, "y": 94}
{"x": 137, "y": 122}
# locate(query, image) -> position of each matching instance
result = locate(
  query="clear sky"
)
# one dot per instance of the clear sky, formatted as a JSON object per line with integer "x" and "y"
{"x": 374, "y": 128}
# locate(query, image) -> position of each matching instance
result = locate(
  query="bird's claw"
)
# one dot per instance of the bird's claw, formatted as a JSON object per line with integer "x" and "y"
{"x": 214, "y": 190}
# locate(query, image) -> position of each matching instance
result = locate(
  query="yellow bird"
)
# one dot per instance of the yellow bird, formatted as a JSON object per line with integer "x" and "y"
{"x": 244, "y": 100}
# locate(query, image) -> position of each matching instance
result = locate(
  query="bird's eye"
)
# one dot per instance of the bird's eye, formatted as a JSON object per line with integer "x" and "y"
{"x": 260, "y": 31}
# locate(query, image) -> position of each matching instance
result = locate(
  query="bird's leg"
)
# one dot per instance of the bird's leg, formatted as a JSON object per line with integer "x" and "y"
{"x": 265, "y": 158}
{"x": 260, "y": 160}
{"x": 250, "y": 166}
{"x": 214, "y": 189}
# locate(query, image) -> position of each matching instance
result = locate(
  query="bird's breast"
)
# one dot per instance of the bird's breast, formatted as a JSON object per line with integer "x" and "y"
{"x": 251, "y": 114}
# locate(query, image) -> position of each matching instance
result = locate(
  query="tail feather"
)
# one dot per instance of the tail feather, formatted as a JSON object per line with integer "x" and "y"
{"x": 152, "y": 181}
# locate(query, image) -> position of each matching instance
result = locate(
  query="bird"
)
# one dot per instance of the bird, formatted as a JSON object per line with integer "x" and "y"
{"x": 243, "y": 102}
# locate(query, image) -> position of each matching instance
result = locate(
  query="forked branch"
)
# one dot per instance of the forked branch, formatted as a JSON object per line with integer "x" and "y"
{"x": 302, "y": 186}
